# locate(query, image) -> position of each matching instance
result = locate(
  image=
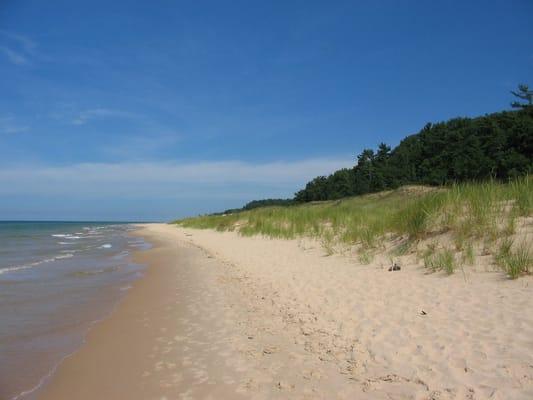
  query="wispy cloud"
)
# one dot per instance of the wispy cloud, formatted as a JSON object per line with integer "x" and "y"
{"x": 214, "y": 179}
{"x": 16, "y": 48}
{"x": 85, "y": 116}
{"x": 24, "y": 41}
{"x": 8, "y": 125}
{"x": 13, "y": 56}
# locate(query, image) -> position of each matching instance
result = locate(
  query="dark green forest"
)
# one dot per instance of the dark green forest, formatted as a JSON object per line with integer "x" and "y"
{"x": 496, "y": 146}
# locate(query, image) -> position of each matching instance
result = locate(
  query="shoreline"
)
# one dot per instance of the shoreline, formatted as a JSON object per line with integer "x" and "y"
{"x": 124, "y": 352}
{"x": 48, "y": 310}
{"x": 34, "y": 392}
{"x": 115, "y": 292}
{"x": 218, "y": 315}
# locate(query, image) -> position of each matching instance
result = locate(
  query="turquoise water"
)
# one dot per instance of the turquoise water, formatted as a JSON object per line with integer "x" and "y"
{"x": 56, "y": 280}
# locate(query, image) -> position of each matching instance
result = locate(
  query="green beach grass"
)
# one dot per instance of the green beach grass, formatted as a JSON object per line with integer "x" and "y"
{"x": 468, "y": 214}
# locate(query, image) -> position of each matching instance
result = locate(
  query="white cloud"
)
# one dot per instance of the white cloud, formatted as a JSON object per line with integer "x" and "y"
{"x": 8, "y": 125}
{"x": 13, "y": 56}
{"x": 152, "y": 179}
{"x": 85, "y": 116}
{"x": 22, "y": 40}
{"x": 17, "y": 48}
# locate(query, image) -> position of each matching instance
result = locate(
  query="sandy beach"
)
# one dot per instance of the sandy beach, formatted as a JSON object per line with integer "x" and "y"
{"x": 220, "y": 316}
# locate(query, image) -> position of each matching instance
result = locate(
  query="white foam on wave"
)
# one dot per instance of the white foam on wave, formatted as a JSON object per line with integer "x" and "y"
{"x": 11, "y": 269}
{"x": 34, "y": 264}
{"x": 25, "y": 266}
{"x": 70, "y": 251}
{"x": 68, "y": 236}
{"x": 105, "y": 246}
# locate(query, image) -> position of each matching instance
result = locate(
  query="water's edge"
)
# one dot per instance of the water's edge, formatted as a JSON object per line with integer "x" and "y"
{"x": 105, "y": 311}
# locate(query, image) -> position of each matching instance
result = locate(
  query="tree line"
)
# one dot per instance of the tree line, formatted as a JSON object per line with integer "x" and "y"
{"x": 257, "y": 204}
{"x": 498, "y": 146}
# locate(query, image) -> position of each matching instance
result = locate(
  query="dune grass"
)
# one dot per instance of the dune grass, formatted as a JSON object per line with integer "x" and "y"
{"x": 468, "y": 212}
{"x": 468, "y": 256}
{"x": 440, "y": 260}
{"x": 515, "y": 260}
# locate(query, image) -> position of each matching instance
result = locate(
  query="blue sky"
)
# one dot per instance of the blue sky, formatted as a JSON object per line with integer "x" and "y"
{"x": 155, "y": 110}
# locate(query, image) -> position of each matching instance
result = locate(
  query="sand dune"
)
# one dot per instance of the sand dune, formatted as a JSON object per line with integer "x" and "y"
{"x": 274, "y": 319}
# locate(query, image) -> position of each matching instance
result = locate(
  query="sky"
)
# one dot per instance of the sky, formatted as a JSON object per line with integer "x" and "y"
{"x": 156, "y": 110}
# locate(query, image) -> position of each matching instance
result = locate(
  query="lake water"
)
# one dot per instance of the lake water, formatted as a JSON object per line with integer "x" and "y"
{"x": 56, "y": 280}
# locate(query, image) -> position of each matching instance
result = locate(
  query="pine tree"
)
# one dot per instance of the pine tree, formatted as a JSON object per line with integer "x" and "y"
{"x": 523, "y": 93}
